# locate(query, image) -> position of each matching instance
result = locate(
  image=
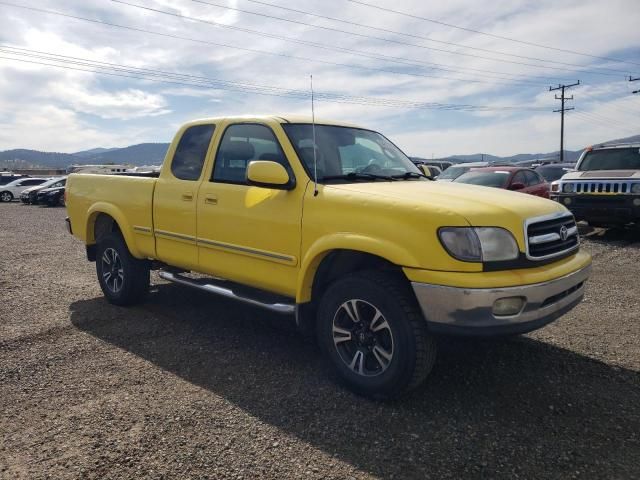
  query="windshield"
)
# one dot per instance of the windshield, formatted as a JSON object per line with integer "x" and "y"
{"x": 452, "y": 172}
{"x": 349, "y": 154}
{"x": 487, "y": 179}
{"x": 551, "y": 174}
{"x": 611, "y": 159}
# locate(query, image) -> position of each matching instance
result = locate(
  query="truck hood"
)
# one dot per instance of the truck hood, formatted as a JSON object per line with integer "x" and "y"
{"x": 480, "y": 206}
{"x": 603, "y": 175}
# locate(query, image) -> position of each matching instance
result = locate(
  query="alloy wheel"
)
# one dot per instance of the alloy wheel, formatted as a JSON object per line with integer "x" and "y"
{"x": 112, "y": 270}
{"x": 363, "y": 338}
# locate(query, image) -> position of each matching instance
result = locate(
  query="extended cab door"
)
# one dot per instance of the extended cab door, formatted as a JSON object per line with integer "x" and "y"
{"x": 175, "y": 197}
{"x": 246, "y": 233}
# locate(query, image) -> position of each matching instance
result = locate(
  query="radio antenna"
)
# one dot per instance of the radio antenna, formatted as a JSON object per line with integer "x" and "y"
{"x": 313, "y": 130}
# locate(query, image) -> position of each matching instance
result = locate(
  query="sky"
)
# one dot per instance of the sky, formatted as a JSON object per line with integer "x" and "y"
{"x": 205, "y": 58}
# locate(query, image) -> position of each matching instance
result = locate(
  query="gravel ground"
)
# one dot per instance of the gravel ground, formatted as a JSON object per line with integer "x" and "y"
{"x": 191, "y": 386}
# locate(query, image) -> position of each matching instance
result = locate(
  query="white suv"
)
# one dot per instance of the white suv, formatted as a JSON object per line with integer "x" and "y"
{"x": 13, "y": 189}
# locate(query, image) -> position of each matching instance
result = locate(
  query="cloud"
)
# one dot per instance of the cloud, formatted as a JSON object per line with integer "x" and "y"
{"x": 100, "y": 110}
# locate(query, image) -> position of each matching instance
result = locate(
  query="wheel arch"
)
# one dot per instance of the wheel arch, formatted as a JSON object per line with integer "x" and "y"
{"x": 345, "y": 253}
{"x": 103, "y": 218}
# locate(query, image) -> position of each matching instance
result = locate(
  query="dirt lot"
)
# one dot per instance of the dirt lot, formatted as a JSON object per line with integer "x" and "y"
{"x": 191, "y": 386}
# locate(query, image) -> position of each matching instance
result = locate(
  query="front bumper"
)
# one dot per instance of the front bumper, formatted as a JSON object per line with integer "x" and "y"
{"x": 604, "y": 209}
{"x": 469, "y": 311}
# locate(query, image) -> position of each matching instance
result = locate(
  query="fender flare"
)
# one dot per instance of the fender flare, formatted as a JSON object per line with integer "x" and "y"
{"x": 312, "y": 259}
{"x": 119, "y": 217}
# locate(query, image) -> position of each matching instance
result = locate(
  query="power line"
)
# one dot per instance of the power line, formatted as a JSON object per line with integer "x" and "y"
{"x": 398, "y": 60}
{"x": 584, "y": 117}
{"x": 361, "y": 35}
{"x": 608, "y": 121}
{"x": 332, "y": 47}
{"x": 119, "y": 70}
{"x": 501, "y": 37}
{"x": 563, "y": 99}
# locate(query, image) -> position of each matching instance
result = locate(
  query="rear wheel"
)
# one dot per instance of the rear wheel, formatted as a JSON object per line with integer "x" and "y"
{"x": 6, "y": 197}
{"x": 123, "y": 278}
{"x": 373, "y": 334}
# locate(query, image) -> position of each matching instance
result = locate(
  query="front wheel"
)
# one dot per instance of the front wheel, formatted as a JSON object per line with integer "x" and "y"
{"x": 123, "y": 278}
{"x": 6, "y": 197}
{"x": 374, "y": 335}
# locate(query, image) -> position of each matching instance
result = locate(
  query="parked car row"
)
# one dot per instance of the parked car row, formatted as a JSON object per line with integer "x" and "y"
{"x": 31, "y": 190}
{"x": 50, "y": 193}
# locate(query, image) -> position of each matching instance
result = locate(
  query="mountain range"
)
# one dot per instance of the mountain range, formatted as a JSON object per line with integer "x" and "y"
{"x": 153, "y": 154}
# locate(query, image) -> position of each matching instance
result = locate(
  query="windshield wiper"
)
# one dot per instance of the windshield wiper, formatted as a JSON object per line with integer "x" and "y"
{"x": 407, "y": 175}
{"x": 360, "y": 176}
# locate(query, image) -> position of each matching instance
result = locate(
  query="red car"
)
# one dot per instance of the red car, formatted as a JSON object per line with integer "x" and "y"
{"x": 518, "y": 179}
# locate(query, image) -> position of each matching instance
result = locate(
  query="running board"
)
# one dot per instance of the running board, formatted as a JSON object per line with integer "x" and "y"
{"x": 251, "y": 296}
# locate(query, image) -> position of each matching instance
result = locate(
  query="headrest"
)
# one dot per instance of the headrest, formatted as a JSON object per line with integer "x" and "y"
{"x": 238, "y": 150}
{"x": 273, "y": 157}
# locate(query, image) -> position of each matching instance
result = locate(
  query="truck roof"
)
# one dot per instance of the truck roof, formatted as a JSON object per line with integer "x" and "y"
{"x": 615, "y": 145}
{"x": 275, "y": 119}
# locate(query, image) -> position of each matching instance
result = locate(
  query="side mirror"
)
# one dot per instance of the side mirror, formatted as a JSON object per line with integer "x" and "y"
{"x": 268, "y": 174}
{"x": 516, "y": 186}
{"x": 425, "y": 169}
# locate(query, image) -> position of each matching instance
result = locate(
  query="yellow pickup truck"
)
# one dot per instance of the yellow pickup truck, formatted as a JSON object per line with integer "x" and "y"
{"x": 333, "y": 223}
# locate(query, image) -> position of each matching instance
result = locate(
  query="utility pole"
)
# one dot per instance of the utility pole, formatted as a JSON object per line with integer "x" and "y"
{"x": 563, "y": 109}
{"x": 631, "y": 79}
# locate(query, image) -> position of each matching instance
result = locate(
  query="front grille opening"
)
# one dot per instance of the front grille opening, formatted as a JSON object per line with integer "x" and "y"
{"x": 608, "y": 187}
{"x": 554, "y": 245}
{"x": 559, "y": 296}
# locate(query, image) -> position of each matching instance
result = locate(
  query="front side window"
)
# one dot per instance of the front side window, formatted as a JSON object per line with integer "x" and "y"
{"x": 191, "y": 152}
{"x": 241, "y": 144}
{"x": 611, "y": 159}
{"x": 348, "y": 154}
{"x": 27, "y": 183}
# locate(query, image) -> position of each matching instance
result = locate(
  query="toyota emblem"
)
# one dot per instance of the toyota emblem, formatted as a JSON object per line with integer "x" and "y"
{"x": 564, "y": 233}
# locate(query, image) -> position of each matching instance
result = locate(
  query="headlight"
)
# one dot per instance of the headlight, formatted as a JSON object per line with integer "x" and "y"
{"x": 567, "y": 187}
{"x": 479, "y": 244}
{"x": 635, "y": 188}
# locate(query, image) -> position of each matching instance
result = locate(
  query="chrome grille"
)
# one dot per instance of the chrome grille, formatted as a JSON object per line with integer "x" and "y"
{"x": 551, "y": 236}
{"x": 613, "y": 186}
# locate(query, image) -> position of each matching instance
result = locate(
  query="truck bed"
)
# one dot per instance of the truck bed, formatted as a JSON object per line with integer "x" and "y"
{"x": 126, "y": 198}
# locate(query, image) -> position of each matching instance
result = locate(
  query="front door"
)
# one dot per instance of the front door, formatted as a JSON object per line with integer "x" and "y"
{"x": 245, "y": 233}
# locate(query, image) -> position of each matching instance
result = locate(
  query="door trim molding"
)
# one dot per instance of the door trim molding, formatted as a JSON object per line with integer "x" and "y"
{"x": 273, "y": 256}
{"x": 175, "y": 236}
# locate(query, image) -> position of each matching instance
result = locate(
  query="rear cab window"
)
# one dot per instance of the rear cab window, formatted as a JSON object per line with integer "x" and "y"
{"x": 191, "y": 152}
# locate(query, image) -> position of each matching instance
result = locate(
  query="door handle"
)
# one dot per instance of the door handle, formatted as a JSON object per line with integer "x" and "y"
{"x": 187, "y": 197}
{"x": 211, "y": 199}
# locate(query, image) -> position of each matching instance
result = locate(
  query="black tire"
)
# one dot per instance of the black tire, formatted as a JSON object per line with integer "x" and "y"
{"x": 6, "y": 197}
{"x": 405, "y": 336}
{"x": 61, "y": 202}
{"x": 124, "y": 279}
